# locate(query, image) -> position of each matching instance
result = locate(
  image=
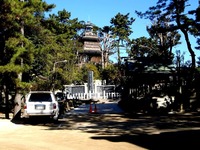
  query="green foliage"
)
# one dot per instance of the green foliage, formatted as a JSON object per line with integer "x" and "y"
{"x": 24, "y": 42}
{"x": 172, "y": 16}
{"x": 41, "y": 84}
{"x": 120, "y": 26}
{"x": 143, "y": 47}
{"x": 16, "y": 49}
{"x": 121, "y": 30}
{"x": 89, "y": 67}
{"x": 150, "y": 47}
{"x": 111, "y": 74}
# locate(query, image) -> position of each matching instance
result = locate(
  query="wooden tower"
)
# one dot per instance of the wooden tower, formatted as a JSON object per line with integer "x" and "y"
{"x": 91, "y": 46}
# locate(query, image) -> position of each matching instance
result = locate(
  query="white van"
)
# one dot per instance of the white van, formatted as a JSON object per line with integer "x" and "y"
{"x": 41, "y": 103}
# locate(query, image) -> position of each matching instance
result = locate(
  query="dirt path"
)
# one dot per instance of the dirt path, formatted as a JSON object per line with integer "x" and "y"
{"x": 36, "y": 137}
{"x": 102, "y": 132}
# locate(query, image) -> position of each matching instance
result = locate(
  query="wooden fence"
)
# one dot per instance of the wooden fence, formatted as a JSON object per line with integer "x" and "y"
{"x": 85, "y": 96}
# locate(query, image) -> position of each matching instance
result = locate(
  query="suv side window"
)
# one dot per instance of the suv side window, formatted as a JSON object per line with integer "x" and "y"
{"x": 38, "y": 97}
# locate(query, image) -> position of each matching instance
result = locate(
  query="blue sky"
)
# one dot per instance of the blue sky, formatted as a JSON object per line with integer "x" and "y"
{"x": 101, "y": 12}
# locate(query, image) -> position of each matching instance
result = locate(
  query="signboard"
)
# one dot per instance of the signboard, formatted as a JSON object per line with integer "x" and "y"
{"x": 90, "y": 81}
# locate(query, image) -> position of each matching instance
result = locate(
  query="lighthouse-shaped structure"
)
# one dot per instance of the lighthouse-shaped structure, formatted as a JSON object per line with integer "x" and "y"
{"x": 91, "y": 46}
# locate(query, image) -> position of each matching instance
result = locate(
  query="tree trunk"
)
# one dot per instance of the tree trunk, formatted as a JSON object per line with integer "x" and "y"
{"x": 17, "y": 107}
{"x": 118, "y": 54}
{"x": 185, "y": 33}
{"x": 7, "y": 102}
{"x": 18, "y": 96}
{"x": 189, "y": 48}
{"x": 106, "y": 58}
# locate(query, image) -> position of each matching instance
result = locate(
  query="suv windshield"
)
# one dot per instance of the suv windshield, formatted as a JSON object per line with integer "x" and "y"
{"x": 37, "y": 97}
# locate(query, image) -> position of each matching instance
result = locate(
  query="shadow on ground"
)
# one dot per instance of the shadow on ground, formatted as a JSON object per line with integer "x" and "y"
{"x": 149, "y": 132}
{"x": 170, "y": 140}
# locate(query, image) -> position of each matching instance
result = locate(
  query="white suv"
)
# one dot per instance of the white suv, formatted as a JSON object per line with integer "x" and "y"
{"x": 41, "y": 103}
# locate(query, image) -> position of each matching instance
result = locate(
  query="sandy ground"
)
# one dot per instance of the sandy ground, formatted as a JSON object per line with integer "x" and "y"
{"x": 54, "y": 137}
{"x": 102, "y": 131}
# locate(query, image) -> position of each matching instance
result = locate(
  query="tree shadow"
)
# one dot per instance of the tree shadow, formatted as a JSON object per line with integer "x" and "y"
{"x": 147, "y": 131}
{"x": 170, "y": 140}
{"x": 150, "y": 132}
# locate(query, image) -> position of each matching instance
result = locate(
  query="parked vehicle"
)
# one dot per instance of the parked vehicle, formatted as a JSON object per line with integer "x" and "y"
{"x": 41, "y": 103}
{"x": 60, "y": 96}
